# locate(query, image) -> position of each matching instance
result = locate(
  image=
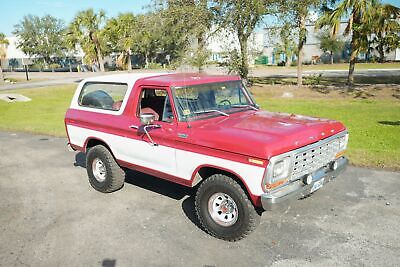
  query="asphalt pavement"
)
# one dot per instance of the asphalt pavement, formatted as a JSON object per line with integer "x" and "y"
{"x": 50, "y": 216}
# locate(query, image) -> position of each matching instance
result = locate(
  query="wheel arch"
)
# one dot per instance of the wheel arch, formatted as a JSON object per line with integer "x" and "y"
{"x": 202, "y": 172}
{"x": 94, "y": 141}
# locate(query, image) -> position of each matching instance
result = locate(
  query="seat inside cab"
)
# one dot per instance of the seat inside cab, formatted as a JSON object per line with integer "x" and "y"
{"x": 156, "y": 101}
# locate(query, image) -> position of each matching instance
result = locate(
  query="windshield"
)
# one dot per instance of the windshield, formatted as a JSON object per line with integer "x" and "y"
{"x": 211, "y": 99}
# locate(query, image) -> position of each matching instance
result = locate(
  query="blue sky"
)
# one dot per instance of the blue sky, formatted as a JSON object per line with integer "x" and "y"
{"x": 12, "y": 11}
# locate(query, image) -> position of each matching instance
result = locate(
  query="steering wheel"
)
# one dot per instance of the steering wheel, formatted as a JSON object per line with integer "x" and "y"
{"x": 222, "y": 103}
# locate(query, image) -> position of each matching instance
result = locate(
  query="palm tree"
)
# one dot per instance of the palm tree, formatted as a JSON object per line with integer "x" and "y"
{"x": 3, "y": 53}
{"x": 359, "y": 12}
{"x": 122, "y": 33}
{"x": 85, "y": 30}
{"x": 385, "y": 27}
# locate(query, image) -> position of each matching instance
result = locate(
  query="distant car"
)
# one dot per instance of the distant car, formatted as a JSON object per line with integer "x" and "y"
{"x": 205, "y": 132}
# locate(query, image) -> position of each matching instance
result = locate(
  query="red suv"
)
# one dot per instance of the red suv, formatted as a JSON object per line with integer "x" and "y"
{"x": 205, "y": 132}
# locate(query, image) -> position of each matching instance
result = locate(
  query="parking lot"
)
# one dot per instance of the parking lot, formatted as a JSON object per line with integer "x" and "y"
{"x": 50, "y": 216}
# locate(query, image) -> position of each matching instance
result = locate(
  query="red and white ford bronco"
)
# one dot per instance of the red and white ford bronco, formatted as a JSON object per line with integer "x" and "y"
{"x": 205, "y": 132}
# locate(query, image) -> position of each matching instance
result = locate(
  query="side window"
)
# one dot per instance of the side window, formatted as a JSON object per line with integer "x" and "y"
{"x": 156, "y": 101}
{"x": 108, "y": 96}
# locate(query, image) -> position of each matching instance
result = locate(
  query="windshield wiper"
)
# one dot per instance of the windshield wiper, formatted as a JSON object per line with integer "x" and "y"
{"x": 211, "y": 110}
{"x": 244, "y": 106}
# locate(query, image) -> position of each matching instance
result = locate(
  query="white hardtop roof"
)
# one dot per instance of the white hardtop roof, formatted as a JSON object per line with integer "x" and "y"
{"x": 129, "y": 78}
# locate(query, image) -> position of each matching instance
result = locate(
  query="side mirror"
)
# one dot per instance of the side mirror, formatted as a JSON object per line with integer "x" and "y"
{"x": 147, "y": 119}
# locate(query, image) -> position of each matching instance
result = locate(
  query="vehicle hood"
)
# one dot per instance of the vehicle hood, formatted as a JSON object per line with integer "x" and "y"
{"x": 262, "y": 134}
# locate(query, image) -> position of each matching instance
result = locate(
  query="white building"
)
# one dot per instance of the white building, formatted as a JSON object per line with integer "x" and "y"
{"x": 13, "y": 51}
{"x": 15, "y": 58}
{"x": 223, "y": 42}
{"x": 312, "y": 46}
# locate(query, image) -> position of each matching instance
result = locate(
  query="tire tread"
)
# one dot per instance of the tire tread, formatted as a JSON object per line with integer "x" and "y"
{"x": 117, "y": 173}
{"x": 254, "y": 216}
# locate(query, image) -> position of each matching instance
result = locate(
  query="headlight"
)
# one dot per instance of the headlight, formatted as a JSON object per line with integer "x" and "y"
{"x": 343, "y": 142}
{"x": 278, "y": 172}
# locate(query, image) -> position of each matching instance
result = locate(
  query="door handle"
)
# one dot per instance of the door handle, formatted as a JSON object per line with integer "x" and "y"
{"x": 134, "y": 127}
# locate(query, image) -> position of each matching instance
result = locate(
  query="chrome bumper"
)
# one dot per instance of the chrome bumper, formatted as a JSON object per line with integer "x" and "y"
{"x": 298, "y": 189}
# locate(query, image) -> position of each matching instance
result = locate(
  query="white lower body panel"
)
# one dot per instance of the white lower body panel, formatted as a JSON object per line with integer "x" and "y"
{"x": 176, "y": 162}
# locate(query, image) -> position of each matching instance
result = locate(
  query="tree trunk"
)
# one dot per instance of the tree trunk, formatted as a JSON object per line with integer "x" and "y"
{"x": 100, "y": 59}
{"x": 244, "y": 64}
{"x": 129, "y": 60}
{"x": 302, "y": 32}
{"x": 381, "y": 53}
{"x": 46, "y": 65}
{"x": 288, "y": 61}
{"x": 1, "y": 74}
{"x": 331, "y": 55}
{"x": 353, "y": 57}
{"x": 146, "y": 60}
{"x": 97, "y": 48}
{"x": 200, "y": 50}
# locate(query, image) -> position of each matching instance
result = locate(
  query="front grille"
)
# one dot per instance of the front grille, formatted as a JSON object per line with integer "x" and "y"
{"x": 313, "y": 158}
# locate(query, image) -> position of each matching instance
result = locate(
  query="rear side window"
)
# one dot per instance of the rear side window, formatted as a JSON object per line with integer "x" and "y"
{"x": 108, "y": 96}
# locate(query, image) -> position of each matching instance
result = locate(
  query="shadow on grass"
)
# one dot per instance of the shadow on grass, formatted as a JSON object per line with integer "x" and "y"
{"x": 391, "y": 123}
{"x": 157, "y": 185}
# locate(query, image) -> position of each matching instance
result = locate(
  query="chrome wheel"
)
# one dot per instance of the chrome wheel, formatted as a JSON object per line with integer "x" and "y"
{"x": 222, "y": 209}
{"x": 99, "y": 170}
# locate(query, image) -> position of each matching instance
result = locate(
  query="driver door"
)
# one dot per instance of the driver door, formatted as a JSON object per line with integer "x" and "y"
{"x": 158, "y": 155}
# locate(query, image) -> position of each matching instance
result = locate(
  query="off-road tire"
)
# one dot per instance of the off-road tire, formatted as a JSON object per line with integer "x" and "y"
{"x": 248, "y": 217}
{"x": 115, "y": 176}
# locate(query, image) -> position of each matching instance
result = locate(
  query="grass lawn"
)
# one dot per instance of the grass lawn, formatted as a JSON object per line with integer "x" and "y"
{"x": 44, "y": 114}
{"x": 359, "y": 66}
{"x": 341, "y": 66}
{"x": 321, "y": 80}
{"x": 374, "y": 124}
